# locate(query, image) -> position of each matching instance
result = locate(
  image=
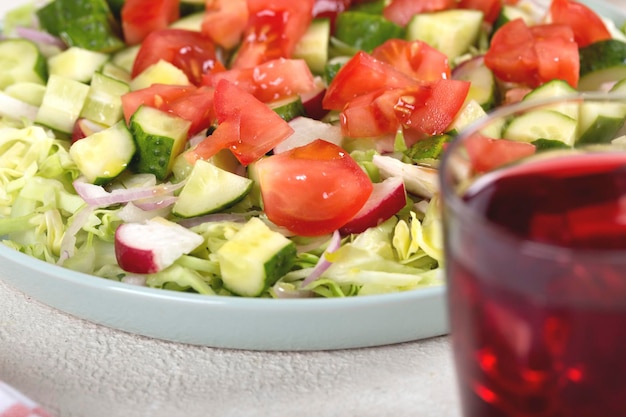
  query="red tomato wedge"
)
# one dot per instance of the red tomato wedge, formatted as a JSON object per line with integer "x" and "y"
{"x": 534, "y": 55}
{"x": 186, "y": 101}
{"x": 246, "y": 126}
{"x": 224, "y": 21}
{"x": 401, "y": 11}
{"x": 490, "y": 8}
{"x": 188, "y": 50}
{"x": 270, "y": 81}
{"x": 274, "y": 27}
{"x": 371, "y": 115}
{"x": 363, "y": 74}
{"x": 414, "y": 58}
{"x": 314, "y": 189}
{"x": 488, "y": 153}
{"x": 140, "y": 17}
{"x": 588, "y": 27}
{"x": 430, "y": 109}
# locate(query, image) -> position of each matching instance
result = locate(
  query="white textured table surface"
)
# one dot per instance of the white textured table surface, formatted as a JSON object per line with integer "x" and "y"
{"x": 78, "y": 369}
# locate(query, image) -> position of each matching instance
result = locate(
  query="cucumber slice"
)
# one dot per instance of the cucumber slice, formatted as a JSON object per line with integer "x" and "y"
{"x": 482, "y": 81}
{"x": 288, "y": 108}
{"x": 600, "y": 122}
{"x": 62, "y": 103}
{"x": 601, "y": 63}
{"x": 77, "y": 63}
{"x": 509, "y": 13}
{"x": 364, "y": 30}
{"x": 28, "y": 92}
{"x": 160, "y": 138}
{"x": 553, "y": 89}
{"x": 191, "y": 21}
{"x": 210, "y": 189}
{"x": 452, "y": 32}
{"x": 125, "y": 58}
{"x": 114, "y": 71}
{"x": 162, "y": 72}
{"x": 104, "y": 101}
{"x": 104, "y": 155}
{"x": 21, "y": 60}
{"x": 87, "y": 24}
{"x": 254, "y": 259}
{"x": 542, "y": 124}
{"x": 314, "y": 44}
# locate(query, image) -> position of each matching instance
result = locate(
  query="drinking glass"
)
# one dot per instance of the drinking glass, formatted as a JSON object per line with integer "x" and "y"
{"x": 535, "y": 244}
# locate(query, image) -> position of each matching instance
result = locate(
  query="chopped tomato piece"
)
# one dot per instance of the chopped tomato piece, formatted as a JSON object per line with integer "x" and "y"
{"x": 274, "y": 27}
{"x": 363, "y": 74}
{"x": 490, "y": 8}
{"x": 415, "y": 58}
{"x": 430, "y": 109}
{"x": 401, "y": 11}
{"x": 140, "y": 17}
{"x": 314, "y": 189}
{"x": 224, "y": 21}
{"x": 371, "y": 115}
{"x": 188, "y": 50}
{"x": 488, "y": 153}
{"x": 588, "y": 27}
{"x": 270, "y": 81}
{"x": 186, "y": 101}
{"x": 534, "y": 55}
{"x": 246, "y": 126}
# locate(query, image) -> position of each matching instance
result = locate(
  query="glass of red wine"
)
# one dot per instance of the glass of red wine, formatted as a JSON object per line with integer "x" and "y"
{"x": 534, "y": 204}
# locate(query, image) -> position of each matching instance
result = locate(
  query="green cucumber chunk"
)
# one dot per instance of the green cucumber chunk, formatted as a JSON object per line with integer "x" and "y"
{"x": 160, "y": 138}
{"x": 288, "y": 108}
{"x": 104, "y": 155}
{"x": 364, "y": 30}
{"x": 254, "y": 259}
{"x": 77, "y": 63}
{"x": 210, "y": 189}
{"x": 482, "y": 82}
{"x": 28, "y": 92}
{"x": 313, "y": 46}
{"x": 88, "y": 24}
{"x": 542, "y": 124}
{"x": 62, "y": 103}
{"x": 452, "y": 32}
{"x": 21, "y": 60}
{"x": 601, "y": 63}
{"x": 554, "y": 89}
{"x": 600, "y": 122}
{"x": 104, "y": 102}
{"x": 162, "y": 72}
{"x": 192, "y": 21}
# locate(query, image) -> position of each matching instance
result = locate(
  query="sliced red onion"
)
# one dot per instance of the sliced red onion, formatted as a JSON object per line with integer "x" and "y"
{"x": 97, "y": 196}
{"x": 156, "y": 203}
{"x": 285, "y": 293}
{"x": 323, "y": 264}
{"x": 39, "y": 36}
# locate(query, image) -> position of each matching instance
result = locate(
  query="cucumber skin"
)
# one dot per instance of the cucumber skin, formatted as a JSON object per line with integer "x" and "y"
{"x": 601, "y": 55}
{"x": 240, "y": 265}
{"x": 365, "y": 31}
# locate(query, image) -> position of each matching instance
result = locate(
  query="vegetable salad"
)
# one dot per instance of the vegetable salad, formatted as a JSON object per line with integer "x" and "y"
{"x": 264, "y": 148}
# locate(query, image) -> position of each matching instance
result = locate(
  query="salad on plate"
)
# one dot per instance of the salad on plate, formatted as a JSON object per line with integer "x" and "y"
{"x": 271, "y": 148}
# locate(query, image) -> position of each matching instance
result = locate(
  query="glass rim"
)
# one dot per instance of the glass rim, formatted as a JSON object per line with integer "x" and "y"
{"x": 452, "y": 201}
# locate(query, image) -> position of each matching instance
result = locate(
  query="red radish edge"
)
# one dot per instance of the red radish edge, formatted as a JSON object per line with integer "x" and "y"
{"x": 151, "y": 246}
{"x": 387, "y": 198}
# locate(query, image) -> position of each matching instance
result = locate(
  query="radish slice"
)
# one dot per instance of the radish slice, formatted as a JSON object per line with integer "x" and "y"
{"x": 387, "y": 198}
{"x": 151, "y": 246}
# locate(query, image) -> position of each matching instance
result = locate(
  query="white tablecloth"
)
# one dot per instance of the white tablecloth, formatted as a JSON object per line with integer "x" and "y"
{"x": 74, "y": 368}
